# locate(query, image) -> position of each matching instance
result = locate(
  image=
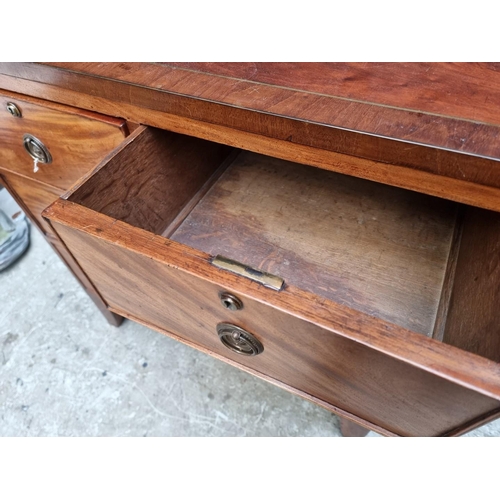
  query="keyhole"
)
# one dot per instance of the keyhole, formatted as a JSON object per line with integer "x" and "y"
{"x": 230, "y": 302}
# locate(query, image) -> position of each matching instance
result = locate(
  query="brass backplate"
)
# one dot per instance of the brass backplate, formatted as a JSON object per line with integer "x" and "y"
{"x": 239, "y": 340}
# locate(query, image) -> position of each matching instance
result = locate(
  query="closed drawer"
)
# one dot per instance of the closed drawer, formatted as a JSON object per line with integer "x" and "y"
{"x": 75, "y": 140}
{"x": 32, "y": 196}
{"x": 382, "y": 313}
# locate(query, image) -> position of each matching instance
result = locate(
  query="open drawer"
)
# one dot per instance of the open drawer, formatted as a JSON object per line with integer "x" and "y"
{"x": 375, "y": 302}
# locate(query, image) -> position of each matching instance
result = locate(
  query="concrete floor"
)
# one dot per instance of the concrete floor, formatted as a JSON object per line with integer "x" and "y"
{"x": 65, "y": 372}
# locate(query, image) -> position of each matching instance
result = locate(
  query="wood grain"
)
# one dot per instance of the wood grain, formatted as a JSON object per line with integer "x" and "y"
{"x": 33, "y": 197}
{"x": 475, "y": 423}
{"x": 445, "y": 361}
{"x": 442, "y": 105}
{"x": 262, "y": 376}
{"x": 457, "y": 177}
{"x": 449, "y": 277}
{"x": 374, "y": 248}
{"x": 427, "y": 87}
{"x": 473, "y": 321}
{"x": 119, "y": 123}
{"x": 349, "y": 127}
{"x": 76, "y": 142}
{"x": 428, "y": 128}
{"x": 151, "y": 177}
{"x": 481, "y": 420}
{"x": 60, "y": 248}
{"x": 390, "y": 393}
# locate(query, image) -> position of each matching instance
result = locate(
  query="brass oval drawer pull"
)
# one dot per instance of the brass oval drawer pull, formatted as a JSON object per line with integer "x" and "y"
{"x": 239, "y": 340}
{"x": 230, "y": 301}
{"x": 37, "y": 150}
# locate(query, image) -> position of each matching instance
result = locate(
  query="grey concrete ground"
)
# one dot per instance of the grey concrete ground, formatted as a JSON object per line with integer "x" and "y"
{"x": 65, "y": 372}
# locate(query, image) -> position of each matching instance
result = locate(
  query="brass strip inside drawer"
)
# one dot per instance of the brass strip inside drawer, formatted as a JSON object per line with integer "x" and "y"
{"x": 266, "y": 279}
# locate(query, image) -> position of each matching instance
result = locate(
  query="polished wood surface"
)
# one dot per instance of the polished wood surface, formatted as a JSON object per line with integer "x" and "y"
{"x": 430, "y": 128}
{"x": 445, "y": 361}
{"x": 374, "y": 248}
{"x": 76, "y": 142}
{"x": 447, "y": 174}
{"x": 78, "y": 138}
{"x": 356, "y": 378}
{"x": 267, "y": 378}
{"x": 32, "y": 196}
{"x": 427, "y": 87}
{"x": 447, "y": 105}
{"x": 66, "y": 256}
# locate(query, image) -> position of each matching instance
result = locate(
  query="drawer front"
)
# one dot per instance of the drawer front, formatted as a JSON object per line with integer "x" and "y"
{"x": 32, "y": 196}
{"x": 75, "y": 140}
{"x": 313, "y": 361}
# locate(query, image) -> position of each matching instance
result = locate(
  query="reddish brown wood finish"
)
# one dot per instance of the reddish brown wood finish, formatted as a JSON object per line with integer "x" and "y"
{"x": 428, "y": 128}
{"x": 385, "y": 257}
{"x": 359, "y": 379}
{"x": 119, "y": 123}
{"x": 449, "y": 277}
{"x": 151, "y": 177}
{"x": 426, "y": 87}
{"x": 76, "y": 142}
{"x": 267, "y": 378}
{"x": 422, "y": 103}
{"x": 446, "y": 174}
{"x": 374, "y": 248}
{"x": 77, "y": 139}
{"x": 479, "y": 421}
{"x": 139, "y": 275}
{"x": 32, "y": 196}
{"x": 450, "y": 363}
{"x": 474, "y": 315}
{"x": 63, "y": 252}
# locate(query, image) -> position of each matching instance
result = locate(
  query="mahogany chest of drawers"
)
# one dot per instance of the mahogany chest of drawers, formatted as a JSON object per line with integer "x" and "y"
{"x": 337, "y": 239}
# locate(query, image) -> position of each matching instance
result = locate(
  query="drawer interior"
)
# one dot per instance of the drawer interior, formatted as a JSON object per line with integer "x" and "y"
{"x": 403, "y": 257}
{"x": 371, "y": 247}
